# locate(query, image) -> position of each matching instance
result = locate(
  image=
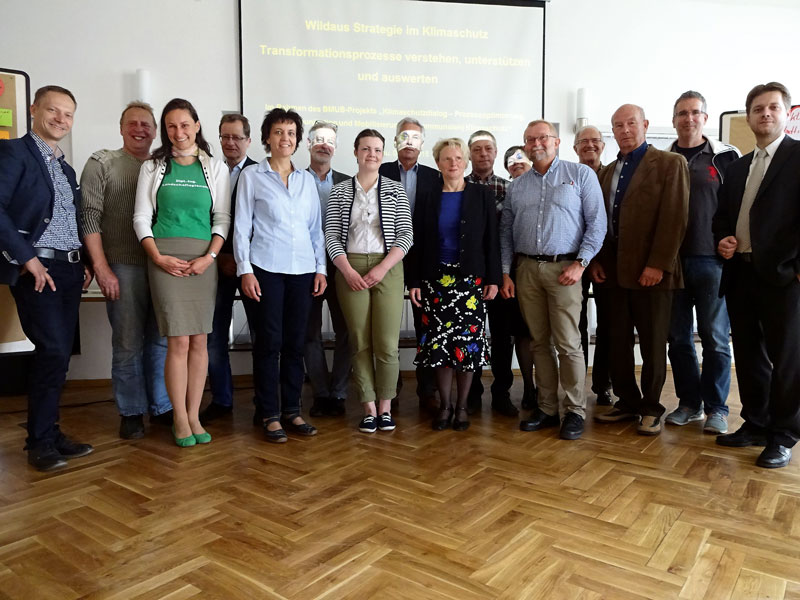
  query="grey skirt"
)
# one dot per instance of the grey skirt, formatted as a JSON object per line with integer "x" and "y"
{"x": 183, "y": 305}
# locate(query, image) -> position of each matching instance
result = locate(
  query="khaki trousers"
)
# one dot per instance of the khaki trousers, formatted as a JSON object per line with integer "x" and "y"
{"x": 552, "y": 312}
{"x": 373, "y": 325}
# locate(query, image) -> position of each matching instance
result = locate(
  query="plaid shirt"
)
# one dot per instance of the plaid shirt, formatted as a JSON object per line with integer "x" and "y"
{"x": 498, "y": 186}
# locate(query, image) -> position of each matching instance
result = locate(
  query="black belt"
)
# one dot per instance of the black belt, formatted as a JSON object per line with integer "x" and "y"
{"x": 70, "y": 256}
{"x": 745, "y": 256}
{"x": 550, "y": 257}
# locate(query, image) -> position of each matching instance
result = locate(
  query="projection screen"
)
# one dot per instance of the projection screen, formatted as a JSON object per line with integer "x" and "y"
{"x": 363, "y": 64}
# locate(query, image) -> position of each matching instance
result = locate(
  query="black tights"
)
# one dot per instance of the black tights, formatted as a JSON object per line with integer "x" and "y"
{"x": 444, "y": 381}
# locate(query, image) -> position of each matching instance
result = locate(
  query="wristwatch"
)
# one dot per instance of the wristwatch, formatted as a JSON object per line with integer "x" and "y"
{"x": 213, "y": 255}
{"x": 584, "y": 262}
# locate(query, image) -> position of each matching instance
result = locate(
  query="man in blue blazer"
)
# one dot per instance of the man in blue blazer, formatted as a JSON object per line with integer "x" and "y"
{"x": 756, "y": 230}
{"x": 40, "y": 245}
{"x": 417, "y": 180}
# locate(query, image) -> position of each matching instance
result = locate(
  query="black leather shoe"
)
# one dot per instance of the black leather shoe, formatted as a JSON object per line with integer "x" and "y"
{"x": 319, "y": 408}
{"x": 539, "y": 420}
{"x": 604, "y": 398}
{"x": 439, "y": 424}
{"x": 461, "y": 424}
{"x": 571, "y": 427}
{"x": 46, "y": 458}
{"x": 505, "y": 407}
{"x": 336, "y": 407}
{"x": 742, "y": 437}
{"x": 774, "y": 456}
{"x": 215, "y": 411}
{"x": 70, "y": 449}
{"x": 131, "y": 427}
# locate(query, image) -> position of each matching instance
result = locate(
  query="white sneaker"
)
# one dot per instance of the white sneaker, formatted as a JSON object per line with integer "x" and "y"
{"x": 649, "y": 425}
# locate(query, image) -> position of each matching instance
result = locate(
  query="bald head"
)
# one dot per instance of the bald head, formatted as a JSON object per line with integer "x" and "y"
{"x": 589, "y": 146}
{"x": 630, "y": 127}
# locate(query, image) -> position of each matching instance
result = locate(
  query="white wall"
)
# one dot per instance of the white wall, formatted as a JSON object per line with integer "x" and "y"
{"x": 641, "y": 51}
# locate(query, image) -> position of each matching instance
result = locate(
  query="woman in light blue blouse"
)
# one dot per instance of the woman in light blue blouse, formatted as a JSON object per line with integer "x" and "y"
{"x": 280, "y": 255}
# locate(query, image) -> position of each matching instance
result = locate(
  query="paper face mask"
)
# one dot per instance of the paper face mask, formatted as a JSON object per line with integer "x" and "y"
{"x": 408, "y": 138}
{"x": 518, "y": 157}
{"x": 323, "y": 137}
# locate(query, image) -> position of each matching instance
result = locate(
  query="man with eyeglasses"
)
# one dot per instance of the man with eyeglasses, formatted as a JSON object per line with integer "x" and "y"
{"x": 234, "y": 136}
{"x": 138, "y": 350}
{"x": 647, "y": 201}
{"x": 700, "y": 394}
{"x": 552, "y": 225}
{"x": 589, "y": 146}
{"x": 328, "y": 387}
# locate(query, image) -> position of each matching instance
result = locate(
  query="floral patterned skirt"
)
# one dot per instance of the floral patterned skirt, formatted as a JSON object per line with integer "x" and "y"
{"x": 453, "y": 315}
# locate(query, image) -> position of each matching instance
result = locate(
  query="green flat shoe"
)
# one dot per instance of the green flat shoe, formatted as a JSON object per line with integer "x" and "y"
{"x": 184, "y": 442}
{"x": 202, "y": 438}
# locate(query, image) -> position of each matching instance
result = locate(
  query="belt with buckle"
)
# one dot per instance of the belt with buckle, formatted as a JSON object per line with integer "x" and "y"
{"x": 70, "y": 256}
{"x": 550, "y": 257}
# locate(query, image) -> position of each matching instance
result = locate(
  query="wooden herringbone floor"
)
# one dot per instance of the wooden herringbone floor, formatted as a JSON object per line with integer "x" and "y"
{"x": 413, "y": 514}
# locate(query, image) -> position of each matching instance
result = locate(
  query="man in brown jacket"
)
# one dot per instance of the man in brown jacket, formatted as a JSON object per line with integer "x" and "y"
{"x": 647, "y": 199}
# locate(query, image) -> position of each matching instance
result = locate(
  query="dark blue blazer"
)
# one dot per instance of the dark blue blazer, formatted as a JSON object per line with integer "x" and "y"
{"x": 26, "y": 202}
{"x": 427, "y": 178}
{"x": 227, "y": 246}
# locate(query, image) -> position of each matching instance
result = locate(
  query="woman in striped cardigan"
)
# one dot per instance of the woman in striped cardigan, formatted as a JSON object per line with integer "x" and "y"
{"x": 367, "y": 233}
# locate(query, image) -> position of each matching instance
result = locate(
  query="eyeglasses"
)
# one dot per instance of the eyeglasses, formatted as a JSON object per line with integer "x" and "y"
{"x": 542, "y": 139}
{"x": 232, "y": 138}
{"x": 685, "y": 113}
{"x": 587, "y": 141}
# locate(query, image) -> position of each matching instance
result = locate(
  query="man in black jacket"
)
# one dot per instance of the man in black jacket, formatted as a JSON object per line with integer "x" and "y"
{"x": 329, "y": 387}
{"x": 234, "y": 136}
{"x": 755, "y": 229}
{"x": 417, "y": 180}
{"x": 40, "y": 245}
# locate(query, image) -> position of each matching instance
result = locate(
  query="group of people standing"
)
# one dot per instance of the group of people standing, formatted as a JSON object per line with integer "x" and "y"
{"x": 171, "y": 235}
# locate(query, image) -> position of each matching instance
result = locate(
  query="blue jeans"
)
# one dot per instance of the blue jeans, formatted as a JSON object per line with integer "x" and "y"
{"x": 280, "y": 322}
{"x": 49, "y": 319}
{"x": 219, "y": 362}
{"x": 138, "y": 350}
{"x": 694, "y": 389}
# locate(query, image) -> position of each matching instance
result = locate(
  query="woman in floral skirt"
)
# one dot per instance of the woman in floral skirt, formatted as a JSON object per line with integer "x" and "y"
{"x": 454, "y": 267}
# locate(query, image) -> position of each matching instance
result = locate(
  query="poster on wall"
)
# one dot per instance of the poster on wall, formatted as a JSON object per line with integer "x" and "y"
{"x": 14, "y": 123}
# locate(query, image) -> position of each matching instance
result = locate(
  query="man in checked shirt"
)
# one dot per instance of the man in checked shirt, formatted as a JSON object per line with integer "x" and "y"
{"x": 553, "y": 224}
{"x": 483, "y": 152}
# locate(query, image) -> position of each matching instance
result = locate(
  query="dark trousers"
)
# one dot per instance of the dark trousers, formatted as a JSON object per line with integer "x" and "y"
{"x": 281, "y": 318}
{"x": 601, "y": 371}
{"x": 765, "y": 324}
{"x": 648, "y": 311}
{"x": 49, "y": 319}
{"x": 219, "y": 362}
{"x": 503, "y": 322}
{"x": 426, "y": 381}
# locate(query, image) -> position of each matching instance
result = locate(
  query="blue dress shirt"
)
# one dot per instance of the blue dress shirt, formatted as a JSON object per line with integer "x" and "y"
{"x": 560, "y": 212}
{"x": 629, "y": 163}
{"x": 409, "y": 181}
{"x": 278, "y": 229}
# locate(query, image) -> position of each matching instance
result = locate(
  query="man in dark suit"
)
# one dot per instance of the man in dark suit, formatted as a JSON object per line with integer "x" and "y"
{"x": 234, "y": 135}
{"x": 417, "y": 180}
{"x": 40, "y": 242}
{"x": 329, "y": 387}
{"x": 647, "y": 201}
{"x": 756, "y": 229}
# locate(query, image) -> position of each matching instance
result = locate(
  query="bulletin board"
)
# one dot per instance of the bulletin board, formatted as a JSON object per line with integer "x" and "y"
{"x": 733, "y": 128}
{"x": 15, "y": 98}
